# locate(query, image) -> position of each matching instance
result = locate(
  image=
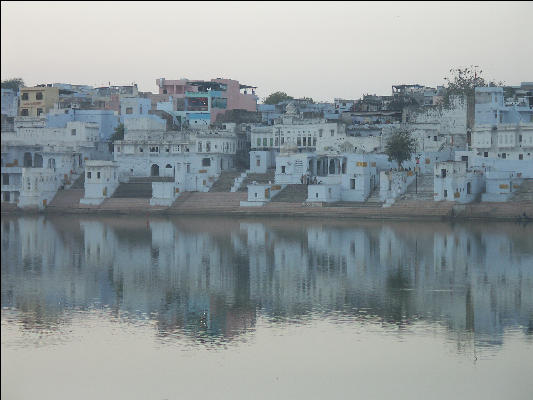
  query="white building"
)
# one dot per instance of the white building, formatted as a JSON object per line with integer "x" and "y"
{"x": 194, "y": 159}
{"x": 60, "y": 151}
{"x": 101, "y": 180}
{"x": 504, "y": 141}
{"x": 454, "y": 182}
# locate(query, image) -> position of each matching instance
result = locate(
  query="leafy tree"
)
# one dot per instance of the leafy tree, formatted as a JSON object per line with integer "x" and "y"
{"x": 463, "y": 81}
{"x": 13, "y": 84}
{"x": 400, "y": 146}
{"x": 119, "y": 133}
{"x": 278, "y": 97}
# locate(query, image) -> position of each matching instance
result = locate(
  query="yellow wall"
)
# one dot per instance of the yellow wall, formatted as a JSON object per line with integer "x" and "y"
{"x": 50, "y": 97}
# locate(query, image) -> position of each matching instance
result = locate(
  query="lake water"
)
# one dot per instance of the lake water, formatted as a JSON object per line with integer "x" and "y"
{"x": 179, "y": 308}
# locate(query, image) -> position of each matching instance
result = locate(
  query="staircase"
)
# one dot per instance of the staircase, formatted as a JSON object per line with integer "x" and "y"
{"x": 425, "y": 189}
{"x": 69, "y": 198}
{"x": 525, "y": 192}
{"x": 79, "y": 183}
{"x": 259, "y": 178}
{"x": 133, "y": 191}
{"x": 225, "y": 181}
{"x": 374, "y": 197}
{"x": 198, "y": 203}
{"x": 296, "y": 193}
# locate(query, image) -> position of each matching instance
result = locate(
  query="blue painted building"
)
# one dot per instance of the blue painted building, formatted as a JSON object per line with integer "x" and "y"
{"x": 106, "y": 119}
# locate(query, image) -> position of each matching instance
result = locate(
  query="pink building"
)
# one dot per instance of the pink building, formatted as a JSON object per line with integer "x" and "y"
{"x": 221, "y": 95}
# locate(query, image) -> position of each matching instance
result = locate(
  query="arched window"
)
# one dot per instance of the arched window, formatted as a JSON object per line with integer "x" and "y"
{"x": 168, "y": 166}
{"x": 51, "y": 163}
{"x": 154, "y": 171}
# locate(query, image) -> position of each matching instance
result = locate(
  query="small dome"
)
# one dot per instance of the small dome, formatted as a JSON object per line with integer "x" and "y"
{"x": 291, "y": 109}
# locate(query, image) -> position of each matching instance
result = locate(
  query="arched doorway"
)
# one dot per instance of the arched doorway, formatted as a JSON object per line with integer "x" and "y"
{"x": 168, "y": 170}
{"x": 38, "y": 161}
{"x": 154, "y": 171}
{"x": 28, "y": 160}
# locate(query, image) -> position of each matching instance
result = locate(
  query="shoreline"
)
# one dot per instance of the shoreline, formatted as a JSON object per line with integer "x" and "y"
{"x": 416, "y": 211}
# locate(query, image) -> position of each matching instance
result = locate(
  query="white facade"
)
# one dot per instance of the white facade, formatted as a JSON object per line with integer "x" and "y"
{"x": 194, "y": 159}
{"x": 101, "y": 181}
{"x": 504, "y": 141}
{"x": 453, "y": 182}
{"x": 39, "y": 186}
{"x": 500, "y": 185}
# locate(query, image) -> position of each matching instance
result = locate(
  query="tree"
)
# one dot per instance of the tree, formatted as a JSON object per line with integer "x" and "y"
{"x": 14, "y": 84}
{"x": 119, "y": 133}
{"x": 276, "y": 98}
{"x": 463, "y": 82}
{"x": 400, "y": 146}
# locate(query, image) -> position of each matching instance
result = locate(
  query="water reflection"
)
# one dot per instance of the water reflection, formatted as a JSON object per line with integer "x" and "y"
{"x": 211, "y": 279}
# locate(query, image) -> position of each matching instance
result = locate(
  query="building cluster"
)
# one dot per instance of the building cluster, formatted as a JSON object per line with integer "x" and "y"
{"x": 192, "y": 131}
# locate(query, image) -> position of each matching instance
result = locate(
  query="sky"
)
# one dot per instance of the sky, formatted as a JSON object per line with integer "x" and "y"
{"x": 319, "y": 50}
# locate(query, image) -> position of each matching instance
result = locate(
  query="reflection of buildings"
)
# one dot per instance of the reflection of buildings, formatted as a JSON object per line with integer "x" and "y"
{"x": 210, "y": 280}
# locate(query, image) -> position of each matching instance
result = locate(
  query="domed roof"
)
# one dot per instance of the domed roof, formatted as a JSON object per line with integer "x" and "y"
{"x": 291, "y": 109}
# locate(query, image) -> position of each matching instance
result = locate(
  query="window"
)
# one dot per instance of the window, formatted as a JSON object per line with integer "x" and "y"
{"x": 258, "y": 162}
{"x": 504, "y": 155}
{"x": 39, "y": 111}
{"x": 520, "y": 156}
{"x": 283, "y": 169}
{"x": 25, "y": 96}
{"x": 208, "y": 147}
{"x": 73, "y": 132}
{"x": 24, "y": 112}
{"x": 258, "y": 141}
{"x": 314, "y": 141}
{"x": 352, "y": 183}
{"x": 486, "y": 154}
{"x": 129, "y": 110}
{"x": 332, "y": 132}
{"x": 264, "y": 142}
{"x": 320, "y": 132}
{"x": 167, "y": 149}
{"x": 299, "y": 141}
{"x": 200, "y": 147}
{"x": 188, "y": 168}
{"x": 154, "y": 149}
{"x": 206, "y": 162}
{"x": 39, "y": 95}
{"x": 140, "y": 150}
{"x": 98, "y": 175}
{"x": 445, "y": 193}
{"x": 305, "y": 141}
{"x": 316, "y": 195}
{"x": 271, "y": 142}
{"x": 118, "y": 149}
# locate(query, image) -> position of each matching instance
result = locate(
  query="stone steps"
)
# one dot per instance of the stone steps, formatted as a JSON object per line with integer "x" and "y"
{"x": 270, "y": 176}
{"x": 69, "y": 198}
{"x": 134, "y": 190}
{"x": 79, "y": 183}
{"x": 525, "y": 192}
{"x": 209, "y": 201}
{"x": 225, "y": 181}
{"x": 150, "y": 179}
{"x": 295, "y": 193}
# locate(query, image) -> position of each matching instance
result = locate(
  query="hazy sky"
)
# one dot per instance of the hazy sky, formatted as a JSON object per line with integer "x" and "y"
{"x": 321, "y": 50}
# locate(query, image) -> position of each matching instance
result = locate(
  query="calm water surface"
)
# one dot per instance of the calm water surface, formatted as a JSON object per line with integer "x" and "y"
{"x": 148, "y": 308}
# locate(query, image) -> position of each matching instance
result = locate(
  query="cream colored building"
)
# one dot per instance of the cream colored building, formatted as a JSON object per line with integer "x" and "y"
{"x": 38, "y": 100}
